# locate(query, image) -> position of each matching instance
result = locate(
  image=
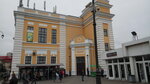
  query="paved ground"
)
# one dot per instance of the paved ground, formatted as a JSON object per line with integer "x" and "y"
{"x": 77, "y": 80}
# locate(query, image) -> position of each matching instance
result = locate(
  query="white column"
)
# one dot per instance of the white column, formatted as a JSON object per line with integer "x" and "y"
{"x": 73, "y": 60}
{"x": 88, "y": 59}
{"x": 113, "y": 71}
{"x": 132, "y": 65}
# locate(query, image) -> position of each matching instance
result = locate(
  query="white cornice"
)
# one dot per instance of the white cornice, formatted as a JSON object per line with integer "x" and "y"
{"x": 25, "y": 14}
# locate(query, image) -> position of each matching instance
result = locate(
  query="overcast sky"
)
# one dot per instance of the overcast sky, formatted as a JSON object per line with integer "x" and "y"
{"x": 130, "y": 15}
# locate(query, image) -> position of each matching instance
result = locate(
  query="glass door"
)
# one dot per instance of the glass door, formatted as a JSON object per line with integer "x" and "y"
{"x": 122, "y": 71}
{"x": 116, "y": 71}
{"x": 141, "y": 72}
{"x": 148, "y": 71}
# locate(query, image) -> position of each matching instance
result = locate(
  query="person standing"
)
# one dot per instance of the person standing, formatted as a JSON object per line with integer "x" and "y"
{"x": 54, "y": 75}
{"x": 25, "y": 77}
{"x": 14, "y": 79}
{"x": 102, "y": 72}
{"x": 60, "y": 75}
{"x": 5, "y": 80}
{"x": 82, "y": 75}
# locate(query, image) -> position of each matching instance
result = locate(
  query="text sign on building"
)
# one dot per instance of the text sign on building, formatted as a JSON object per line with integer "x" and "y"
{"x": 112, "y": 54}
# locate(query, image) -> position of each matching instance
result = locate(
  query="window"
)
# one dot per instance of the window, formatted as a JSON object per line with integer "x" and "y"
{"x": 54, "y": 32}
{"x": 105, "y": 32}
{"x": 42, "y": 35}
{"x": 106, "y": 46}
{"x": 115, "y": 60}
{"x": 53, "y": 60}
{"x": 121, "y": 60}
{"x": 30, "y": 30}
{"x": 138, "y": 58}
{"x": 41, "y": 59}
{"x": 127, "y": 59}
{"x": 147, "y": 57}
{"x": 28, "y": 60}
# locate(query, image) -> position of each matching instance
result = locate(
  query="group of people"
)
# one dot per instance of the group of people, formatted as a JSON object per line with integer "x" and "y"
{"x": 13, "y": 79}
{"x": 57, "y": 75}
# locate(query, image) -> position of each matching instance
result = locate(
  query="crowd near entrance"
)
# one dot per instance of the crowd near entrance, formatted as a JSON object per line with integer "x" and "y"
{"x": 41, "y": 72}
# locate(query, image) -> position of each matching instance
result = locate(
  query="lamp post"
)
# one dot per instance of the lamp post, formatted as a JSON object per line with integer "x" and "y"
{"x": 69, "y": 65}
{"x": 87, "y": 65}
{"x": 2, "y": 34}
{"x": 98, "y": 77}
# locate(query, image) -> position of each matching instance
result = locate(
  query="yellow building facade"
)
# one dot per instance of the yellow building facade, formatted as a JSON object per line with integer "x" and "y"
{"x": 47, "y": 39}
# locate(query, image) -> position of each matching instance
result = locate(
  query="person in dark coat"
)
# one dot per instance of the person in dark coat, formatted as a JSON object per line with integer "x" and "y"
{"x": 102, "y": 72}
{"x": 82, "y": 75}
{"x": 54, "y": 75}
{"x": 5, "y": 80}
{"x": 14, "y": 79}
{"x": 60, "y": 75}
{"x": 25, "y": 78}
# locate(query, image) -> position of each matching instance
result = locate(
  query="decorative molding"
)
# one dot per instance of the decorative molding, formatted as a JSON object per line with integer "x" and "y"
{"x": 43, "y": 25}
{"x": 45, "y": 17}
{"x": 103, "y": 5}
{"x": 30, "y": 23}
{"x": 80, "y": 44}
{"x": 54, "y": 26}
{"x": 49, "y": 22}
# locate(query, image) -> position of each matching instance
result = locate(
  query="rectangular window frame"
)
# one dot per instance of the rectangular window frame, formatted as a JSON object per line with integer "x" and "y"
{"x": 54, "y": 36}
{"x": 28, "y": 61}
{"x": 41, "y": 62}
{"x": 107, "y": 48}
{"x": 42, "y": 35}
{"x": 52, "y": 62}
{"x": 30, "y": 29}
{"x": 106, "y": 32}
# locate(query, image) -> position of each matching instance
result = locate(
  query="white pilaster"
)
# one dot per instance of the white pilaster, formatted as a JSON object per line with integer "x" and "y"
{"x": 110, "y": 34}
{"x": 73, "y": 60}
{"x": 63, "y": 42}
{"x": 132, "y": 65}
{"x": 88, "y": 59}
{"x": 17, "y": 44}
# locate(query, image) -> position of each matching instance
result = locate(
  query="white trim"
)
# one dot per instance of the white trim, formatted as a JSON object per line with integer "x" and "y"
{"x": 17, "y": 43}
{"x": 62, "y": 42}
{"x": 73, "y": 60}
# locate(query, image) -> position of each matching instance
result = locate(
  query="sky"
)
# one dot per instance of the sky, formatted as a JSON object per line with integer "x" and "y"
{"x": 130, "y": 15}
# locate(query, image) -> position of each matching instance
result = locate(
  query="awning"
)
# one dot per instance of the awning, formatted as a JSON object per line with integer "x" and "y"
{"x": 37, "y": 65}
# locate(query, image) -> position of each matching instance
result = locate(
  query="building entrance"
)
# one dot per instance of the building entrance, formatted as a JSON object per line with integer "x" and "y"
{"x": 122, "y": 71}
{"x": 80, "y": 65}
{"x": 140, "y": 69}
{"x": 148, "y": 71}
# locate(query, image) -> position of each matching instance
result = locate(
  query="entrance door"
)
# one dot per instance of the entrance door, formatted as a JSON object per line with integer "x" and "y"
{"x": 116, "y": 71}
{"x": 148, "y": 71}
{"x": 80, "y": 65}
{"x": 141, "y": 72}
{"x": 122, "y": 71}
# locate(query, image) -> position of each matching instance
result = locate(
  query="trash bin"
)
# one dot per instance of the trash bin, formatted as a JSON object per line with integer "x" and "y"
{"x": 93, "y": 74}
{"x": 131, "y": 78}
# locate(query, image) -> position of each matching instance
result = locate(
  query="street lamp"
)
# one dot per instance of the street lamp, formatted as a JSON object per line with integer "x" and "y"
{"x": 87, "y": 65}
{"x": 2, "y": 34}
{"x": 69, "y": 65}
{"x": 98, "y": 77}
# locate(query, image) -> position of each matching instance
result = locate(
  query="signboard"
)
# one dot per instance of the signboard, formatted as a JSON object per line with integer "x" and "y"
{"x": 30, "y": 36}
{"x": 112, "y": 54}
